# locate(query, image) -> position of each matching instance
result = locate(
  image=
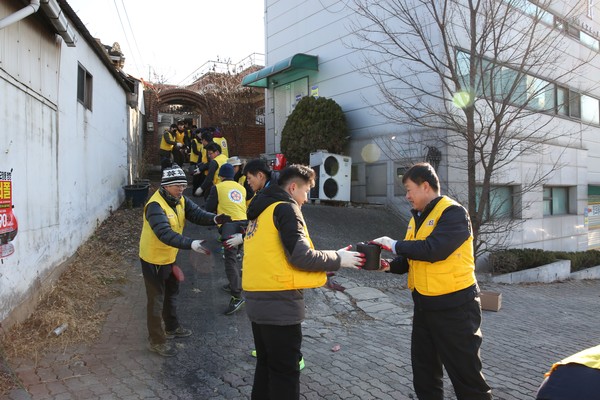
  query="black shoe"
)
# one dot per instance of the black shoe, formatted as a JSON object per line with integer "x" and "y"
{"x": 234, "y": 304}
{"x": 164, "y": 349}
{"x": 226, "y": 288}
{"x": 179, "y": 332}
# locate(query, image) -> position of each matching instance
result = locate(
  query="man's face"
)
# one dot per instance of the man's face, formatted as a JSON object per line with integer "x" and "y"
{"x": 180, "y": 127}
{"x": 418, "y": 195}
{"x": 257, "y": 181}
{"x": 212, "y": 154}
{"x": 175, "y": 190}
{"x": 299, "y": 191}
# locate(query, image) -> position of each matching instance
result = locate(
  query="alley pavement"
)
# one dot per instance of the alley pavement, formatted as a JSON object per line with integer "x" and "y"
{"x": 356, "y": 342}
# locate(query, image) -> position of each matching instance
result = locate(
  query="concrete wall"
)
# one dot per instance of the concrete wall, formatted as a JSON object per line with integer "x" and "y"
{"x": 68, "y": 163}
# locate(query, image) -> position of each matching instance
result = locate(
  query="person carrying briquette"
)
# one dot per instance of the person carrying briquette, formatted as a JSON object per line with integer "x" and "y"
{"x": 229, "y": 197}
{"x": 195, "y": 158}
{"x": 437, "y": 252}
{"x": 279, "y": 262}
{"x": 219, "y": 139}
{"x": 213, "y": 151}
{"x": 165, "y": 151}
{"x": 162, "y": 236}
{"x": 180, "y": 149}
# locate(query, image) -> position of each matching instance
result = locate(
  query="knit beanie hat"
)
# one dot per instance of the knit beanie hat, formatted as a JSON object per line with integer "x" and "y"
{"x": 173, "y": 175}
{"x": 226, "y": 171}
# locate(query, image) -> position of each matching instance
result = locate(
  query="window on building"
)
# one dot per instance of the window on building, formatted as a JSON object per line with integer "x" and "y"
{"x": 590, "y": 109}
{"x": 500, "y": 205}
{"x": 562, "y": 100}
{"x": 589, "y": 41}
{"x": 84, "y": 87}
{"x": 574, "y": 104}
{"x": 556, "y": 200}
{"x": 590, "y": 9}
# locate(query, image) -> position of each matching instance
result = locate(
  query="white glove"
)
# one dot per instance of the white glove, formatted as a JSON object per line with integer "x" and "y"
{"x": 234, "y": 241}
{"x": 198, "y": 192}
{"x": 179, "y": 144}
{"x": 198, "y": 248}
{"x": 386, "y": 243}
{"x": 350, "y": 259}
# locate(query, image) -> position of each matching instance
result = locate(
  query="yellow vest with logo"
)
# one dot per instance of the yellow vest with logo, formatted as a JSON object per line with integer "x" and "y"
{"x": 193, "y": 156}
{"x": 220, "y": 159}
{"x": 441, "y": 277}
{"x": 163, "y": 143}
{"x": 180, "y": 136}
{"x": 223, "y": 143}
{"x": 152, "y": 250}
{"x": 232, "y": 200}
{"x": 266, "y": 268}
{"x": 588, "y": 357}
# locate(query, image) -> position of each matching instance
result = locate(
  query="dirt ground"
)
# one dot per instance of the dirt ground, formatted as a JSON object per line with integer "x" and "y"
{"x": 92, "y": 275}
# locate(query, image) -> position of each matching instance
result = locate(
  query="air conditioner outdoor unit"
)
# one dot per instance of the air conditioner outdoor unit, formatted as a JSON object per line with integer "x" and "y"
{"x": 333, "y": 176}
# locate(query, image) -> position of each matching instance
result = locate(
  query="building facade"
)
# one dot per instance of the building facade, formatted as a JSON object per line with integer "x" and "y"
{"x": 71, "y": 127}
{"x": 550, "y": 189}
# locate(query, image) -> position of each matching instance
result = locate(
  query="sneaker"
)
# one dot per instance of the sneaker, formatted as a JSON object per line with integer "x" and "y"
{"x": 226, "y": 288}
{"x": 177, "y": 333}
{"x": 234, "y": 304}
{"x": 164, "y": 349}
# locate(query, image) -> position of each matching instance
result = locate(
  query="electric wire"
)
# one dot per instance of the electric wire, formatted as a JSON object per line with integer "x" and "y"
{"x": 137, "y": 48}
{"x": 135, "y": 63}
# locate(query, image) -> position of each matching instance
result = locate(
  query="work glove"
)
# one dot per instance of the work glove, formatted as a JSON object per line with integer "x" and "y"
{"x": 234, "y": 241}
{"x": 199, "y": 192}
{"x": 220, "y": 219}
{"x": 198, "y": 248}
{"x": 179, "y": 144}
{"x": 386, "y": 243}
{"x": 384, "y": 265}
{"x": 350, "y": 259}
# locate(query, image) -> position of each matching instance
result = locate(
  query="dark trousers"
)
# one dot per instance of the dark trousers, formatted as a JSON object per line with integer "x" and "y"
{"x": 277, "y": 374}
{"x": 166, "y": 159}
{"x": 233, "y": 266}
{"x": 451, "y": 338}
{"x": 571, "y": 382}
{"x": 161, "y": 292}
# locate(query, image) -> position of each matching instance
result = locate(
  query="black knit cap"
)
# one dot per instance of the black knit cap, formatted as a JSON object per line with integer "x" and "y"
{"x": 173, "y": 175}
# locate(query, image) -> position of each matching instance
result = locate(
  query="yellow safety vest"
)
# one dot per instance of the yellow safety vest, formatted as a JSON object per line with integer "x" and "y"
{"x": 232, "y": 200}
{"x": 446, "y": 276}
{"x": 179, "y": 136}
{"x": 163, "y": 143}
{"x": 152, "y": 250}
{"x": 193, "y": 156}
{"x": 266, "y": 267}
{"x": 588, "y": 357}
{"x": 220, "y": 159}
{"x": 223, "y": 143}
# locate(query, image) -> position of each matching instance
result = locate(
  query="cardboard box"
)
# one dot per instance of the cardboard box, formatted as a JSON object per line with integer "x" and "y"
{"x": 491, "y": 301}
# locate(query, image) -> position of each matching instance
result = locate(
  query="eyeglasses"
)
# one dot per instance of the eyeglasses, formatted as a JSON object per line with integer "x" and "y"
{"x": 180, "y": 186}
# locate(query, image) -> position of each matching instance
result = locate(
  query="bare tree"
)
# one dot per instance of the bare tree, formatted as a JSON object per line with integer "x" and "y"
{"x": 474, "y": 77}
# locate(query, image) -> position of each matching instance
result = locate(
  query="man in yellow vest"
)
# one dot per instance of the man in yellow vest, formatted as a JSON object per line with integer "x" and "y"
{"x": 279, "y": 262}
{"x": 195, "y": 159}
{"x": 437, "y": 252}
{"x": 213, "y": 151}
{"x": 219, "y": 139}
{"x": 577, "y": 377}
{"x": 167, "y": 142}
{"x": 180, "y": 150}
{"x": 239, "y": 176}
{"x": 162, "y": 237}
{"x": 229, "y": 197}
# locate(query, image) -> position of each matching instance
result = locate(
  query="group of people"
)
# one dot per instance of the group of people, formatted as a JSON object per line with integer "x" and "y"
{"x": 279, "y": 261}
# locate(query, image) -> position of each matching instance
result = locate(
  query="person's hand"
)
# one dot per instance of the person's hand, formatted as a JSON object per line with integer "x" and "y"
{"x": 350, "y": 259}
{"x": 385, "y": 242}
{"x": 221, "y": 219}
{"x": 384, "y": 265}
{"x": 234, "y": 241}
{"x": 198, "y": 248}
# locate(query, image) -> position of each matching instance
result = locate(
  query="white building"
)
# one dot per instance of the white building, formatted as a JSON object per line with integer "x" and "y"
{"x": 312, "y": 49}
{"x": 70, "y": 124}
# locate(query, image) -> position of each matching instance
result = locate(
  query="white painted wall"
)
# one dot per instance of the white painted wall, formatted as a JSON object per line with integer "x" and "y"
{"x": 324, "y": 28}
{"x": 68, "y": 163}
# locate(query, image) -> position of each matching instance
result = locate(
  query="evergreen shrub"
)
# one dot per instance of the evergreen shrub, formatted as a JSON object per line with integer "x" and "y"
{"x": 315, "y": 124}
